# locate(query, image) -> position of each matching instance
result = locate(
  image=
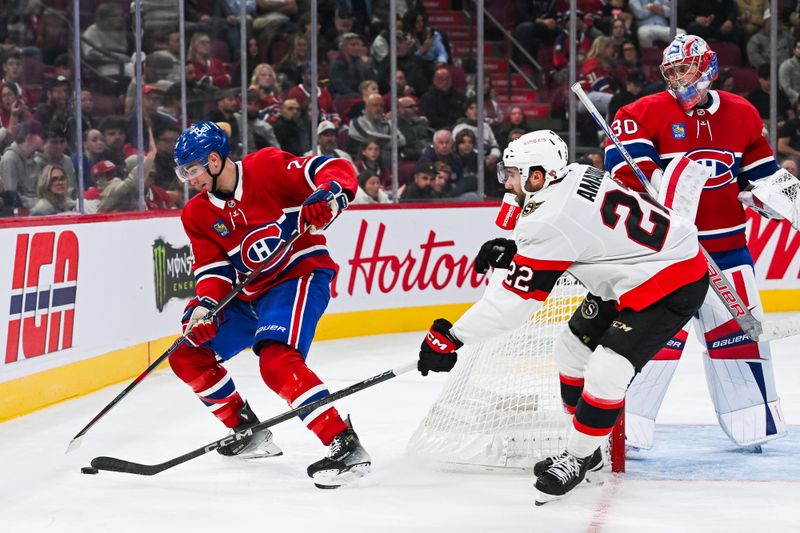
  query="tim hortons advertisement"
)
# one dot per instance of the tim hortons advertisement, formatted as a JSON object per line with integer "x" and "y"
{"x": 73, "y": 291}
{"x": 774, "y": 245}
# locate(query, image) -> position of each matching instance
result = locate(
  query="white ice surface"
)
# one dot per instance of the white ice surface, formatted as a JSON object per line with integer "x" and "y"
{"x": 42, "y": 490}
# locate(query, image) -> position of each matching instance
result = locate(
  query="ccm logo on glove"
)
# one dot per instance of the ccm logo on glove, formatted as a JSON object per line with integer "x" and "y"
{"x": 438, "y": 350}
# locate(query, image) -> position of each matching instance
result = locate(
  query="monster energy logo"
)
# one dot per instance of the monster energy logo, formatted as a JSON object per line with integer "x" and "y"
{"x": 173, "y": 272}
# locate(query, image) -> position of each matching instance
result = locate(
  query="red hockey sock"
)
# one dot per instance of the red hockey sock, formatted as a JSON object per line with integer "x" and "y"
{"x": 198, "y": 368}
{"x": 284, "y": 371}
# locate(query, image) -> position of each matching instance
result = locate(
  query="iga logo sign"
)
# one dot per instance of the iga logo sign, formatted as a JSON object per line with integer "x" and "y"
{"x": 43, "y": 288}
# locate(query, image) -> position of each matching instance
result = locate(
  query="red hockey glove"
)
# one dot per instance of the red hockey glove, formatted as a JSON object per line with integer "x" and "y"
{"x": 438, "y": 350}
{"x": 322, "y": 206}
{"x": 201, "y": 330}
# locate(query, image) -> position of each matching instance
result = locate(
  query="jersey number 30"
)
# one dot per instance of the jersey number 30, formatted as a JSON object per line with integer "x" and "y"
{"x": 653, "y": 239}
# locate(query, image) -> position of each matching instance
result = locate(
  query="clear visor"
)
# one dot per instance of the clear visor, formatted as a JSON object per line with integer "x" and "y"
{"x": 189, "y": 171}
{"x": 502, "y": 173}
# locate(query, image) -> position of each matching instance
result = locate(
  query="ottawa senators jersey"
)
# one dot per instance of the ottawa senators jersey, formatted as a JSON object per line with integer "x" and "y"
{"x": 617, "y": 242}
{"x": 230, "y": 236}
{"x": 726, "y": 136}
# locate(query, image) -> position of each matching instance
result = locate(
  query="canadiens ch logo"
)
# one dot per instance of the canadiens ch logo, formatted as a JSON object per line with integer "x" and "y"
{"x": 43, "y": 288}
{"x": 220, "y": 227}
{"x": 259, "y": 244}
{"x": 721, "y": 162}
{"x": 679, "y": 131}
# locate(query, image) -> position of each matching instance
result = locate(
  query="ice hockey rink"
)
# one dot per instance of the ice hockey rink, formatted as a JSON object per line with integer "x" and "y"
{"x": 693, "y": 480}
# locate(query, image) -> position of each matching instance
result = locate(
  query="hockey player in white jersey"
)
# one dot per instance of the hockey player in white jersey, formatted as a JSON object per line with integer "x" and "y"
{"x": 641, "y": 261}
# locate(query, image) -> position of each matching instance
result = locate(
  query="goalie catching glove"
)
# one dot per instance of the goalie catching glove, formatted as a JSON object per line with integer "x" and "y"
{"x": 776, "y": 196}
{"x": 322, "y": 206}
{"x": 438, "y": 350}
{"x": 200, "y": 328}
{"x": 496, "y": 253}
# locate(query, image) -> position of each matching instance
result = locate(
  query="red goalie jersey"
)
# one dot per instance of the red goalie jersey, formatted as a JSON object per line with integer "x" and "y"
{"x": 726, "y": 136}
{"x": 230, "y": 236}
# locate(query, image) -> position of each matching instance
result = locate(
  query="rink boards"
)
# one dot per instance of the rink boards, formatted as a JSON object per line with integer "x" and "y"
{"x": 90, "y": 301}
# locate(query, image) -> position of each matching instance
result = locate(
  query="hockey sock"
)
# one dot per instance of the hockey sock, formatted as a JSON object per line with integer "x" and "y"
{"x": 284, "y": 371}
{"x": 607, "y": 377}
{"x": 571, "y": 357}
{"x": 571, "y": 389}
{"x": 198, "y": 368}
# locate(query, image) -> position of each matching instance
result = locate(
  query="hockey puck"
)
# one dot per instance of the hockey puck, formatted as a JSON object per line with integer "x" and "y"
{"x": 89, "y": 470}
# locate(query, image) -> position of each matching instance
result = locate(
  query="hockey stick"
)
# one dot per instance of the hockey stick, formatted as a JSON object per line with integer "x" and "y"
{"x": 75, "y": 443}
{"x": 112, "y": 464}
{"x": 719, "y": 281}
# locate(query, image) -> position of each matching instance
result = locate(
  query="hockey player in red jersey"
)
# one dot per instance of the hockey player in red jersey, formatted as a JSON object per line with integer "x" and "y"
{"x": 723, "y": 132}
{"x": 641, "y": 261}
{"x": 244, "y": 211}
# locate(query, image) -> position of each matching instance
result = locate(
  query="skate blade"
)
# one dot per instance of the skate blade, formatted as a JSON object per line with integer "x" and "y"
{"x": 264, "y": 450}
{"x": 333, "y": 479}
{"x": 543, "y": 498}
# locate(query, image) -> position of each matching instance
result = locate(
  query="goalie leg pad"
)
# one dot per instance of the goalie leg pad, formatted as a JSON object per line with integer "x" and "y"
{"x": 607, "y": 376}
{"x": 198, "y": 368}
{"x": 738, "y": 370}
{"x": 571, "y": 357}
{"x": 647, "y": 390}
{"x": 284, "y": 371}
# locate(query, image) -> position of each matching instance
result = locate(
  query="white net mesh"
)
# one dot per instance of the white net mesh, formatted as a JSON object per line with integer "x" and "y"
{"x": 501, "y": 404}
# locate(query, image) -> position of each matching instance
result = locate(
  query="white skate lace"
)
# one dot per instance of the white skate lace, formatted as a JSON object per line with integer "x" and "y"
{"x": 336, "y": 447}
{"x": 565, "y": 468}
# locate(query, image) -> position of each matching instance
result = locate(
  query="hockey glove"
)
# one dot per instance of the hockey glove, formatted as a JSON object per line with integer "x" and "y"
{"x": 322, "y": 206}
{"x": 438, "y": 350}
{"x": 194, "y": 321}
{"x": 496, "y": 253}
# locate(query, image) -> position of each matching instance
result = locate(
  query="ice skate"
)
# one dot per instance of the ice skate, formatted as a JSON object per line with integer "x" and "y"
{"x": 346, "y": 462}
{"x": 564, "y": 474}
{"x": 255, "y": 446}
{"x": 595, "y": 463}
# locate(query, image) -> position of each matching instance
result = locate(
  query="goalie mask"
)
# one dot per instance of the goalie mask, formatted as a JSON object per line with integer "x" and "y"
{"x": 688, "y": 67}
{"x": 541, "y": 149}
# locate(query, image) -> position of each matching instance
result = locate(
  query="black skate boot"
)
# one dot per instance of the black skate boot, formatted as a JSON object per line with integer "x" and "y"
{"x": 254, "y": 446}
{"x": 566, "y": 473}
{"x": 346, "y": 462}
{"x": 595, "y": 463}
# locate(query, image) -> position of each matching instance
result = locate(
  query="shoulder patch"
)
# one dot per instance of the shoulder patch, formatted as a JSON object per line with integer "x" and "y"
{"x": 530, "y": 207}
{"x": 679, "y": 130}
{"x": 220, "y": 227}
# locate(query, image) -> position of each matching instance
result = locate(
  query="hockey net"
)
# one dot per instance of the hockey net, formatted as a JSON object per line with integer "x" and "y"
{"x": 501, "y": 404}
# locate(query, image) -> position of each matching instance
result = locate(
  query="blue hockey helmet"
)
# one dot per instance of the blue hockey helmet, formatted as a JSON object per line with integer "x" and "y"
{"x": 195, "y": 144}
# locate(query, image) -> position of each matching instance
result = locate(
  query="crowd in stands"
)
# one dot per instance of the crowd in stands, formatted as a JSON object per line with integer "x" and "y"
{"x": 618, "y": 46}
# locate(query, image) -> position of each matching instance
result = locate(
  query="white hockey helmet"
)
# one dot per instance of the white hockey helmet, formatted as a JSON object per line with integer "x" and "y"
{"x": 543, "y": 149}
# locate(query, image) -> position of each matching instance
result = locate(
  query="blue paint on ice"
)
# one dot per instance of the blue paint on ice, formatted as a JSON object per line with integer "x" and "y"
{"x": 687, "y": 452}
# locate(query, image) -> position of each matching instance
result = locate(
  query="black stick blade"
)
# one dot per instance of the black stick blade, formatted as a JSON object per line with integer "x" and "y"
{"x": 112, "y": 464}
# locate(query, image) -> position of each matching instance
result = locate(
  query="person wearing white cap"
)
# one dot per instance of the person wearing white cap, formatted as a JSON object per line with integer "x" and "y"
{"x": 326, "y": 142}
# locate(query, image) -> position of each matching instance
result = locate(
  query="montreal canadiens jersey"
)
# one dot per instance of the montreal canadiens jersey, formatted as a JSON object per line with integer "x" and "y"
{"x": 617, "y": 242}
{"x": 230, "y": 236}
{"x": 726, "y": 136}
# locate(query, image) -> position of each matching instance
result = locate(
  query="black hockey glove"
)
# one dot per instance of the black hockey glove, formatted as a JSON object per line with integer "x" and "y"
{"x": 496, "y": 253}
{"x": 438, "y": 350}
